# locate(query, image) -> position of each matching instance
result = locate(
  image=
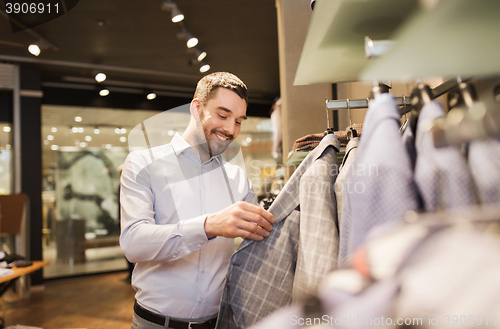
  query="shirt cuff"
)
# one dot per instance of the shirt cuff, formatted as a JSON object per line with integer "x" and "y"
{"x": 193, "y": 232}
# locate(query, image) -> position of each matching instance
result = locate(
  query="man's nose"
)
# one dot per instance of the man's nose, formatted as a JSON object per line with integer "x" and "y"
{"x": 229, "y": 128}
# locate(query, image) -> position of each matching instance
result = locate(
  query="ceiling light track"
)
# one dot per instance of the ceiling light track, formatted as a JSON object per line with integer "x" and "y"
{"x": 20, "y": 59}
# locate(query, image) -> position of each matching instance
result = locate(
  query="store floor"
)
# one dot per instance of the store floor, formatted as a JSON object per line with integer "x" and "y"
{"x": 92, "y": 302}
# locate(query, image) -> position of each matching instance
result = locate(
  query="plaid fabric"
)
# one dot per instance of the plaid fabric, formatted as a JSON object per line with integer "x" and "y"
{"x": 261, "y": 275}
{"x": 347, "y": 161}
{"x": 307, "y": 143}
{"x": 342, "y": 135}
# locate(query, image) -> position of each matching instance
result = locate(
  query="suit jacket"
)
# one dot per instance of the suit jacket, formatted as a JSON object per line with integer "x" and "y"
{"x": 441, "y": 174}
{"x": 350, "y": 155}
{"x": 263, "y": 276}
{"x": 379, "y": 186}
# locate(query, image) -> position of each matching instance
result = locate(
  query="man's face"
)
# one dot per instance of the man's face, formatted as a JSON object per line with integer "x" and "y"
{"x": 221, "y": 120}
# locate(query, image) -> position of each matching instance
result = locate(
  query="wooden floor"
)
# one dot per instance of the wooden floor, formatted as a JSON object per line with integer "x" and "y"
{"x": 93, "y": 302}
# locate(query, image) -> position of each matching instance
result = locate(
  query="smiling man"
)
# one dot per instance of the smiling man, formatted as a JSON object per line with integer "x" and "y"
{"x": 181, "y": 208}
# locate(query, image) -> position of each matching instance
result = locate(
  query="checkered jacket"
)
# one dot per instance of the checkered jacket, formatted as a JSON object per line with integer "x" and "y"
{"x": 302, "y": 247}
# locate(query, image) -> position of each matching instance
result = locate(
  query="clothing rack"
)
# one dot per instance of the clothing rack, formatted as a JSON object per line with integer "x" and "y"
{"x": 478, "y": 122}
{"x": 402, "y": 101}
{"x": 462, "y": 126}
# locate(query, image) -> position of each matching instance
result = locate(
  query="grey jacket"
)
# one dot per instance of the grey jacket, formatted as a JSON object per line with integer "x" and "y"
{"x": 302, "y": 247}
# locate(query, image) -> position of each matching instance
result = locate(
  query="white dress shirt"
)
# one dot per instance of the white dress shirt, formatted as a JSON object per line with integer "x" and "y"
{"x": 166, "y": 195}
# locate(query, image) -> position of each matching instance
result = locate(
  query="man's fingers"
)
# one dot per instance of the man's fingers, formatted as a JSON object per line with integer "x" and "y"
{"x": 253, "y": 218}
{"x": 254, "y": 229}
{"x": 257, "y": 210}
{"x": 249, "y": 235}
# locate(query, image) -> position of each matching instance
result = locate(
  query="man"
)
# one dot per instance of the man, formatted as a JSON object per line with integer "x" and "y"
{"x": 181, "y": 208}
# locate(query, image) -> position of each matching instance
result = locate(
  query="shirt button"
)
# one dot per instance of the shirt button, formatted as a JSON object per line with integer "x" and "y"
{"x": 203, "y": 270}
{"x": 199, "y": 245}
{"x": 201, "y": 299}
{"x": 174, "y": 255}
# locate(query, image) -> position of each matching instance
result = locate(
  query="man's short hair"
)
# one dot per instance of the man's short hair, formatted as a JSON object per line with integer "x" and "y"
{"x": 206, "y": 87}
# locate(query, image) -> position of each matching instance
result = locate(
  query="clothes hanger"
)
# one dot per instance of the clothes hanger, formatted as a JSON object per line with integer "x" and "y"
{"x": 420, "y": 96}
{"x": 405, "y": 123}
{"x": 464, "y": 95}
{"x": 328, "y": 129}
{"x": 378, "y": 89}
{"x": 351, "y": 133}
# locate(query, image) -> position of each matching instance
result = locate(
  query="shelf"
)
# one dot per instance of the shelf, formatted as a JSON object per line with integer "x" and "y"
{"x": 457, "y": 37}
{"x": 334, "y": 47}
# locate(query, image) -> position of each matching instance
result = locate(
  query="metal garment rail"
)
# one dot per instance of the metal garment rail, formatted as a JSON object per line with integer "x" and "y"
{"x": 402, "y": 101}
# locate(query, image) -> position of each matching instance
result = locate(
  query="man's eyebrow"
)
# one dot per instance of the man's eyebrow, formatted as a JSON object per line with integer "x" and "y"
{"x": 244, "y": 117}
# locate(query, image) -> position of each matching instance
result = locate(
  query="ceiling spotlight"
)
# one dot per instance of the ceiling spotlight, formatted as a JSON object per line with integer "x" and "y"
{"x": 100, "y": 77}
{"x": 204, "y": 68}
{"x": 123, "y": 139}
{"x": 97, "y": 131}
{"x": 54, "y": 129}
{"x": 6, "y": 129}
{"x": 34, "y": 49}
{"x": 74, "y": 129}
{"x": 191, "y": 41}
{"x": 54, "y": 147}
{"x": 78, "y": 119}
{"x": 201, "y": 56}
{"x": 177, "y": 15}
{"x": 104, "y": 92}
{"x": 88, "y": 138}
{"x": 151, "y": 96}
{"x": 50, "y": 137}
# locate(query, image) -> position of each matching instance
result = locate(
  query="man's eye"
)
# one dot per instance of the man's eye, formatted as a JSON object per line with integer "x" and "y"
{"x": 238, "y": 123}
{"x": 222, "y": 117}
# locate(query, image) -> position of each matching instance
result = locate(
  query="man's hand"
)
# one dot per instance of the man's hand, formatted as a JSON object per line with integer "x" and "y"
{"x": 239, "y": 220}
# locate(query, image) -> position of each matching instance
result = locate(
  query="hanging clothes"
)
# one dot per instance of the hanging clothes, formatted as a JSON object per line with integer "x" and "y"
{"x": 427, "y": 271}
{"x": 441, "y": 174}
{"x": 350, "y": 155}
{"x": 408, "y": 138}
{"x": 264, "y": 276}
{"x": 379, "y": 186}
{"x": 484, "y": 164}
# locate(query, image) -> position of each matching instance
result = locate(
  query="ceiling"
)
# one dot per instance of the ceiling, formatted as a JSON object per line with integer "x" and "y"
{"x": 136, "y": 44}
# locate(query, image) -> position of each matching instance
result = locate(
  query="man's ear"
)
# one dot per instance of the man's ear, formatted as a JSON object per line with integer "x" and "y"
{"x": 195, "y": 108}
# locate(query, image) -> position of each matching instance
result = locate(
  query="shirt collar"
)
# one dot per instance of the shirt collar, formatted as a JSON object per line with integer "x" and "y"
{"x": 179, "y": 144}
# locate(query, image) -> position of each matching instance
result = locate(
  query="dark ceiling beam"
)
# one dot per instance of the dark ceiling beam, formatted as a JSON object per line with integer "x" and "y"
{"x": 90, "y": 66}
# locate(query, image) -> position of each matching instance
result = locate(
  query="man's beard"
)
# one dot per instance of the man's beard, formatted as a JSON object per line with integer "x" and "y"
{"x": 214, "y": 147}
